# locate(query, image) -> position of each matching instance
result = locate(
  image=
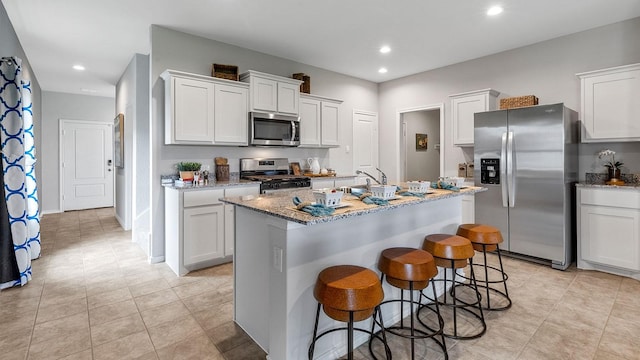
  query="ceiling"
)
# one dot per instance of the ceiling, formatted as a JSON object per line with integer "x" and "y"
{"x": 339, "y": 35}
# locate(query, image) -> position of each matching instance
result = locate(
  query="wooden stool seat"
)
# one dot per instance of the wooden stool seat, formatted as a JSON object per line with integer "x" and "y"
{"x": 344, "y": 288}
{"x": 482, "y": 237}
{"x": 447, "y": 248}
{"x": 404, "y": 265}
{"x": 349, "y": 294}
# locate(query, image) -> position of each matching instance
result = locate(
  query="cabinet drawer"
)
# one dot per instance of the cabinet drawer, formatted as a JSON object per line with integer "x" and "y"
{"x": 202, "y": 197}
{"x": 611, "y": 197}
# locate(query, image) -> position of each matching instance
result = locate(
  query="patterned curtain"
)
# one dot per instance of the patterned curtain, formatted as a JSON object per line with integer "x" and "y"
{"x": 19, "y": 179}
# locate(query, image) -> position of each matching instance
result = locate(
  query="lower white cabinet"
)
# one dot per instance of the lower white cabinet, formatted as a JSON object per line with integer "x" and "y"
{"x": 199, "y": 228}
{"x": 609, "y": 230}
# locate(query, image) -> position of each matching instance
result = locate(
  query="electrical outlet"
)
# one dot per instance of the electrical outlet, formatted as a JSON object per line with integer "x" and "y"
{"x": 277, "y": 258}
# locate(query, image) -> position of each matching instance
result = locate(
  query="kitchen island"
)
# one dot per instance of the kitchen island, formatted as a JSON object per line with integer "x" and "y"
{"x": 279, "y": 251}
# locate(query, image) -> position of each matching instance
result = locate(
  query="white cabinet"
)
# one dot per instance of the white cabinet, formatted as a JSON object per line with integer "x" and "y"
{"x": 201, "y": 110}
{"x": 609, "y": 104}
{"x": 609, "y": 230}
{"x": 463, "y": 108}
{"x": 199, "y": 228}
{"x": 271, "y": 93}
{"x": 319, "y": 121}
{"x": 332, "y": 183}
{"x": 468, "y": 209}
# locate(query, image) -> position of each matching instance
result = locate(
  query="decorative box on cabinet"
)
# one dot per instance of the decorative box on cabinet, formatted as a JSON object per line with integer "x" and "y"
{"x": 200, "y": 110}
{"x": 199, "y": 228}
{"x": 463, "y": 108}
{"x": 609, "y": 104}
{"x": 319, "y": 121}
{"x": 609, "y": 230}
{"x": 272, "y": 93}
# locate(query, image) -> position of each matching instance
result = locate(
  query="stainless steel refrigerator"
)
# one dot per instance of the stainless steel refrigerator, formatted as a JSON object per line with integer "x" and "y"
{"x": 528, "y": 160}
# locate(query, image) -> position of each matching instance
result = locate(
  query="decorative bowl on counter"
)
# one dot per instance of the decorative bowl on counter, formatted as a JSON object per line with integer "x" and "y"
{"x": 419, "y": 186}
{"x": 328, "y": 197}
{"x": 383, "y": 191}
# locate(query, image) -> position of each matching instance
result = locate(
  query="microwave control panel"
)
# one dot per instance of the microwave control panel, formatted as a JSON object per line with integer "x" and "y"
{"x": 490, "y": 171}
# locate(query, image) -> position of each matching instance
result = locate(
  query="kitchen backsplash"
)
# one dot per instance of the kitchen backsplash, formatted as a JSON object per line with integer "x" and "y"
{"x": 601, "y": 178}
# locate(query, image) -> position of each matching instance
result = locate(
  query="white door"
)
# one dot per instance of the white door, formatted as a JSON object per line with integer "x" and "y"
{"x": 86, "y": 164}
{"x": 365, "y": 142}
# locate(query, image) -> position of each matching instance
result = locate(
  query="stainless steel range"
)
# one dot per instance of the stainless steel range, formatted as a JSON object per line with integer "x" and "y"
{"x": 273, "y": 174}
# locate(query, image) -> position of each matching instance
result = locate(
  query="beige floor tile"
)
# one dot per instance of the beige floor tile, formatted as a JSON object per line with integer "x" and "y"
{"x": 205, "y": 300}
{"x": 215, "y": 316}
{"x": 196, "y": 348}
{"x": 176, "y": 331}
{"x": 621, "y": 338}
{"x": 15, "y": 354}
{"x": 553, "y": 341}
{"x": 61, "y": 328}
{"x": 602, "y": 355}
{"x": 63, "y": 344}
{"x": 194, "y": 288}
{"x": 164, "y": 313}
{"x": 148, "y": 287}
{"x": 109, "y": 297}
{"x": 112, "y": 312}
{"x": 158, "y": 298}
{"x": 116, "y": 329}
{"x": 82, "y": 355}
{"x": 57, "y": 311}
{"x": 14, "y": 338}
{"x": 134, "y": 346}
{"x": 247, "y": 351}
{"x": 228, "y": 336}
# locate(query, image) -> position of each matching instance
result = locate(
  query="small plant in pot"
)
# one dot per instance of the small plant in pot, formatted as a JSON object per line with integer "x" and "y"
{"x": 186, "y": 169}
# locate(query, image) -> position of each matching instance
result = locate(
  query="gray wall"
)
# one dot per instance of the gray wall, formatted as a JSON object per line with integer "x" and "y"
{"x": 56, "y": 106}
{"x": 175, "y": 50}
{"x": 545, "y": 69}
{"x": 10, "y": 46}
{"x": 132, "y": 181}
{"x": 421, "y": 164}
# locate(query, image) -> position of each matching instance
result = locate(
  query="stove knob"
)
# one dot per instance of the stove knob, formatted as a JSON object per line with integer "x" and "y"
{"x": 275, "y": 185}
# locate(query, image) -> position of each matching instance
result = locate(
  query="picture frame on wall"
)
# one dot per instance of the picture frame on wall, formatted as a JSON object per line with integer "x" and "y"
{"x": 295, "y": 168}
{"x": 118, "y": 139}
{"x": 421, "y": 142}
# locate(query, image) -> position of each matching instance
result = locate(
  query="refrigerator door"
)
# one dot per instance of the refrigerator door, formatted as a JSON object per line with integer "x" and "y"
{"x": 491, "y": 206}
{"x": 536, "y": 218}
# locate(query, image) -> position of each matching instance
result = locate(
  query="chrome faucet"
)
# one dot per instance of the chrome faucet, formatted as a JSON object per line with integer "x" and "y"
{"x": 383, "y": 180}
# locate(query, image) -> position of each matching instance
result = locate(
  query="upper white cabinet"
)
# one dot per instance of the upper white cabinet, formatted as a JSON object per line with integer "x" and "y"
{"x": 609, "y": 104}
{"x": 272, "y": 93}
{"x": 201, "y": 110}
{"x": 463, "y": 108}
{"x": 319, "y": 121}
{"x": 609, "y": 230}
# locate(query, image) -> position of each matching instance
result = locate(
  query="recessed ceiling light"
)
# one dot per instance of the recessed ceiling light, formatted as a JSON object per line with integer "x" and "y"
{"x": 78, "y": 67}
{"x": 382, "y": 70}
{"x": 385, "y": 49}
{"x": 495, "y": 10}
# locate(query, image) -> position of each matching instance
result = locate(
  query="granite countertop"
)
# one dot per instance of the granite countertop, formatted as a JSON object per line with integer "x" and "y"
{"x": 627, "y": 186}
{"x": 214, "y": 185}
{"x": 281, "y": 205}
{"x": 333, "y": 177}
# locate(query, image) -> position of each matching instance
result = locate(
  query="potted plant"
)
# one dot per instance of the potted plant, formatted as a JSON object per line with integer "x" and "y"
{"x": 186, "y": 169}
{"x": 613, "y": 166}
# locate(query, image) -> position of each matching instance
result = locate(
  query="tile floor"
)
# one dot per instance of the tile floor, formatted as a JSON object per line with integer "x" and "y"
{"x": 94, "y": 296}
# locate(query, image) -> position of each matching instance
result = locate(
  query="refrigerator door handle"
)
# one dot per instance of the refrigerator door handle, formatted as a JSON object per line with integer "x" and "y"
{"x": 503, "y": 171}
{"x": 511, "y": 171}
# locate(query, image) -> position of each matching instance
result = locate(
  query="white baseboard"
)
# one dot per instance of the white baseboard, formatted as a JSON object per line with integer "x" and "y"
{"x": 45, "y": 212}
{"x": 156, "y": 259}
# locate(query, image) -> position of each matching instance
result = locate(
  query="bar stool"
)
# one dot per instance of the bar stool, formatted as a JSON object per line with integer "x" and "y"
{"x": 411, "y": 269}
{"x": 455, "y": 252}
{"x": 485, "y": 238}
{"x": 349, "y": 293}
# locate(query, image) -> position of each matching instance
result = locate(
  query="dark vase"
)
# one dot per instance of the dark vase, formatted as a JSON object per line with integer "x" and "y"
{"x": 614, "y": 173}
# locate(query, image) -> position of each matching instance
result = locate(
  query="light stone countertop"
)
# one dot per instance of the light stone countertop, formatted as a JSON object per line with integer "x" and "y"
{"x": 281, "y": 204}
{"x": 628, "y": 186}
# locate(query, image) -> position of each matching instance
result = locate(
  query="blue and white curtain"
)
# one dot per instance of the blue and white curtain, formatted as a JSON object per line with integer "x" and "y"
{"x": 19, "y": 210}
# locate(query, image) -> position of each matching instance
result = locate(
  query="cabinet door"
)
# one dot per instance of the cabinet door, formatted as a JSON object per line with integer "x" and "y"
{"x": 288, "y": 98}
{"x": 610, "y": 106}
{"x": 463, "y": 109}
{"x": 231, "y": 115}
{"x": 309, "y": 122}
{"x": 609, "y": 236}
{"x": 330, "y": 124}
{"x": 468, "y": 209}
{"x": 193, "y": 111}
{"x": 264, "y": 95}
{"x": 203, "y": 234}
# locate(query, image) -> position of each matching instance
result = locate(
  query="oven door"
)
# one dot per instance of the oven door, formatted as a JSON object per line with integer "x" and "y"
{"x": 274, "y": 130}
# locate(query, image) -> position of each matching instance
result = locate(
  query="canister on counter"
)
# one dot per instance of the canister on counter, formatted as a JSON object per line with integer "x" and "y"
{"x": 462, "y": 170}
{"x": 470, "y": 169}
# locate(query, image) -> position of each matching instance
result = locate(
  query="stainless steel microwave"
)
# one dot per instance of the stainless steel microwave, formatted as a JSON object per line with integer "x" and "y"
{"x": 273, "y": 129}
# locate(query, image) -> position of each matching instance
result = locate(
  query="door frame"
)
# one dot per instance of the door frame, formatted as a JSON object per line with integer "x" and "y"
{"x": 61, "y": 123}
{"x": 400, "y": 150}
